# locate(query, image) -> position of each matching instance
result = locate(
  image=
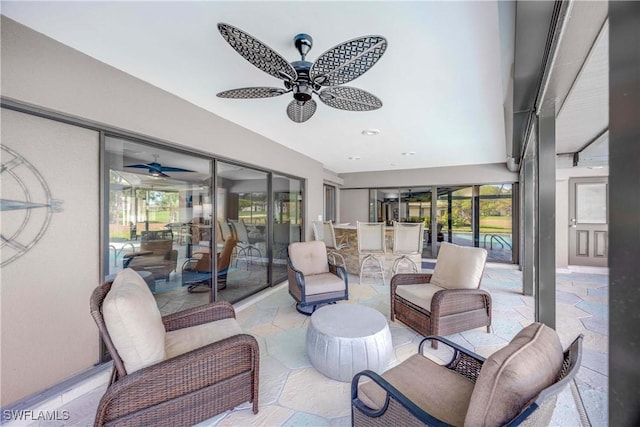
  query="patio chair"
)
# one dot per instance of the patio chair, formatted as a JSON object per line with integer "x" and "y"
{"x": 447, "y": 302}
{"x": 517, "y": 384}
{"x": 313, "y": 281}
{"x": 196, "y": 271}
{"x": 179, "y": 369}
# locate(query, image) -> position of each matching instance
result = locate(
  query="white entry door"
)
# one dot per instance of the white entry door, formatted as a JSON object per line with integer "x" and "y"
{"x": 588, "y": 221}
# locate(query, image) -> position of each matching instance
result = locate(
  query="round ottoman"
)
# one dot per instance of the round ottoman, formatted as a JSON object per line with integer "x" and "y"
{"x": 344, "y": 339}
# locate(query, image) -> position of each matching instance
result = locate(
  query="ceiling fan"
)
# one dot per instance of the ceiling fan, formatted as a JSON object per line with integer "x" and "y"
{"x": 156, "y": 169}
{"x": 338, "y": 65}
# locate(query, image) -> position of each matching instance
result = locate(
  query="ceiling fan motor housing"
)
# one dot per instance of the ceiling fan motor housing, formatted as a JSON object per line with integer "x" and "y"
{"x": 303, "y": 87}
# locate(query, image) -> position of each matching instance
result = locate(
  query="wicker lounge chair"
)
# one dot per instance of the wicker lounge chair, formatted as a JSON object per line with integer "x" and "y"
{"x": 447, "y": 302}
{"x": 313, "y": 281}
{"x": 175, "y": 370}
{"x": 516, "y": 385}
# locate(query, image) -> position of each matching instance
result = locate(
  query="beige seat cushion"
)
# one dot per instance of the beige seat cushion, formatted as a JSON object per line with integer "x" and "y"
{"x": 459, "y": 267}
{"x": 439, "y": 391}
{"x": 184, "y": 340}
{"x": 419, "y": 294}
{"x": 322, "y": 283}
{"x": 309, "y": 257}
{"x": 134, "y": 321}
{"x": 515, "y": 374}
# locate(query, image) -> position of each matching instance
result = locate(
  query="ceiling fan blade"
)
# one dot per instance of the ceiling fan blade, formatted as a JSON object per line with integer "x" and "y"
{"x": 350, "y": 98}
{"x": 347, "y": 61}
{"x": 171, "y": 169}
{"x": 145, "y": 166}
{"x": 258, "y": 53}
{"x": 300, "y": 112}
{"x": 252, "y": 92}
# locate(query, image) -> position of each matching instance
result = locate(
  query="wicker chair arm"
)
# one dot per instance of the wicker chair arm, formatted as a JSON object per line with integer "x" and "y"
{"x": 299, "y": 275}
{"x": 409, "y": 279}
{"x": 407, "y": 407}
{"x": 199, "y": 315}
{"x": 452, "y": 301}
{"x": 463, "y": 361}
{"x": 186, "y": 373}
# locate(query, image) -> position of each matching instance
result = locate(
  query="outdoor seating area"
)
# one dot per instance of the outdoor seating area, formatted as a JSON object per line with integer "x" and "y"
{"x": 287, "y": 369}
{"x": 218, "y": 247}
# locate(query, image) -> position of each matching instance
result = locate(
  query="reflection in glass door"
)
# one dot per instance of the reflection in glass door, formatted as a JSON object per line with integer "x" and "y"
{"x": 287, "y": 221}
{"x": 159, "y": 220}
{"x": 241, "y": 215}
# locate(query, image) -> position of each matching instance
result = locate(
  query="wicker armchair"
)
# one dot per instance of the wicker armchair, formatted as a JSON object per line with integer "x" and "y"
{"x": 313, "y": 281}
{"x": 516, "y": 385}
{"x": 447, "y": 302}
{"x": 205, "y": 365}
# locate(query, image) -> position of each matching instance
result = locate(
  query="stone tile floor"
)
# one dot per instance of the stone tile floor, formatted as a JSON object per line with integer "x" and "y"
{"x": 293, "y": 393}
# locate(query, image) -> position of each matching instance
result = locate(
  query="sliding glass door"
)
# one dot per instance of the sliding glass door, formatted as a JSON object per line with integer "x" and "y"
{"x": 158, "y": 217}
{"x": 189, "y": 243}
{"x": 242, "y": 215}
{"x": 287, "y": 221}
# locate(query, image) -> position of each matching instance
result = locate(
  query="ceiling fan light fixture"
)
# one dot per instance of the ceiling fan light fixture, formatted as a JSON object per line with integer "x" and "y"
{"x": 302, "y": 92}
{"x": 370, "y": 132}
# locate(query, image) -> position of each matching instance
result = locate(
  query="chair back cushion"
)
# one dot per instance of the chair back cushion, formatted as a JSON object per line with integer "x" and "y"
{"x": 309, "y": 257}
{"x": 407, "y": 237}
{"x": 459, "y": 267}
{"x": 514, "y": 375}
{"x": 134, "y": 322}
{"x": 371, "y": 236}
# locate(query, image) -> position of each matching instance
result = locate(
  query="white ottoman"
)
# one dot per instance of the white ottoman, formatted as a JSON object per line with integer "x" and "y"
{"x": 344, "y": 339}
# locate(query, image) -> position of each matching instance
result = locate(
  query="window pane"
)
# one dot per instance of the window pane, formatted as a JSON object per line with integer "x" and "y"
{"x": 329, "y": 203}
{"x": 495, "y": 221}
{"x": 591, "y": 203}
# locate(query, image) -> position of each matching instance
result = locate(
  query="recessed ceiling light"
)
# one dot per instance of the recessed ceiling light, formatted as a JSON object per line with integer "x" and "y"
{"x": 370, "y": 132}
{"x": 409, "y": 153}
{"x": 354, "y": 157}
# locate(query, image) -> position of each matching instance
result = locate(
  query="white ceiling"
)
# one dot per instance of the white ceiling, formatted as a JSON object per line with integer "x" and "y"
{"x": 440, "y": 80}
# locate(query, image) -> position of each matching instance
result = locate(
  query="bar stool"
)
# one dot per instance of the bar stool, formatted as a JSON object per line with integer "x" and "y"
{"x": 371, "y": 243}
{"x": 323, "y": 230}
{"x": 407, "y": 241}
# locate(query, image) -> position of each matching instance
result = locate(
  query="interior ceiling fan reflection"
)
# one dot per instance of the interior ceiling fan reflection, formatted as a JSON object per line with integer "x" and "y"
{"x": 156, "y": 169}
{"x": 337, "y": 66}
